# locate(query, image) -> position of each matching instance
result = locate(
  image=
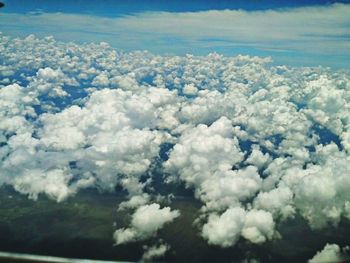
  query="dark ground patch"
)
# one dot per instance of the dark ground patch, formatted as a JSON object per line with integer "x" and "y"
{"x": 82, "y": 227}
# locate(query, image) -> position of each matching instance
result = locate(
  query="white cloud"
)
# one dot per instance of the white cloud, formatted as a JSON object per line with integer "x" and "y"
{"x": 258, "y": 226}
{"x": 146, "y": 221}
{"x": 257, "y": 158}
{"x": 330, "y": 253}
{"x": 278, "y": 201}
{"x": 190, "y": 90}
{"x": 154, "y": 252}
{"x": 317, "y": 31}
{"x": 53, "y": 183}
{"x": 255, "y": 225}
{"x": 135, "y": 201}
{"x": 324, "y": 182}
{"x": 113, "y": 133}
{"x": 204, "y": 150}
{"x": 226, "y": 189}
{"x": 224, "y": 230}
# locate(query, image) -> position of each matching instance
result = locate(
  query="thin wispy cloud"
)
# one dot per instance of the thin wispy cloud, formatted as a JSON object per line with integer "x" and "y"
{"x": 316, "y": 34}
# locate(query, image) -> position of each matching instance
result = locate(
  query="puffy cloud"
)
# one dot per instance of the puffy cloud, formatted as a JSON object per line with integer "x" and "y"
{"x": 324, "y": 183}
{"x": 127, "y": 82}
{"x": 258, "y": 226}
{"x": 154, "y": 252}
{"x": 135, "y": 201}
{"x": 278, "y": 201}
{"x": 53, "y": 183}
{"x": 190, "y": 90}
{"x": 257, "y": 158}
{"x": 255, "y": 225}
{"x": 146, "y": 221}
{"x": 227, "y": 189}
{"x": 224, "y": 230}
{"x": 15, "y": 105}
{"x": 204, "y": 150}
{"x": 256, "y": 143}
{"x": 330, "y": 253}
{"x": 101, "y": 80}
{"x": 50, "y": 81}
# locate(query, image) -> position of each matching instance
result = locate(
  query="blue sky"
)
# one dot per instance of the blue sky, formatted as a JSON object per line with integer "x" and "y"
{"x": 301, "y": 33}
{"x": 122, "y": 7}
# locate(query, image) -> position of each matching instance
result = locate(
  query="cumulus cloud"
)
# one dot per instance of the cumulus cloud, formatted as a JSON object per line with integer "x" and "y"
{"x": 190, "y": 90}
{"x": 204, "y": 150}
{"x": 224, "y": 230}
{"x": 255, "y": 225}
{"x": 324, "y": 182}
{"x": 278, "y": 201}
{"x": 154, "y": 252}
{"x": 257, "y": 158}
{"x": 256, "y": 143}
{"x": 330, "y": 253}
{"x": 146, "y": 221}
{"x": 258, "y": 226}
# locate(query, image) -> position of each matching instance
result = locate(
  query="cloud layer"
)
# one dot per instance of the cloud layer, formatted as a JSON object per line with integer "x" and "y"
{"x": 257, "y": 144}
{"x": 315, "y": 35}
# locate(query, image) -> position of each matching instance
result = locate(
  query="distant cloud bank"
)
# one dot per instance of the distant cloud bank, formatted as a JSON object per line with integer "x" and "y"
{"x": 299, "y": 36}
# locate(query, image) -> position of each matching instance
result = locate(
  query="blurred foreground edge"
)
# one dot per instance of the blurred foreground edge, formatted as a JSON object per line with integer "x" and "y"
{"x": 7, "y": 257}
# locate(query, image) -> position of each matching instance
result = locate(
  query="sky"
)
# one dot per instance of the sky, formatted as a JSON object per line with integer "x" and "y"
{"x": 298, "y": 33}
{"x": 256, "y": 145}
{"x": 201, "y": 112}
